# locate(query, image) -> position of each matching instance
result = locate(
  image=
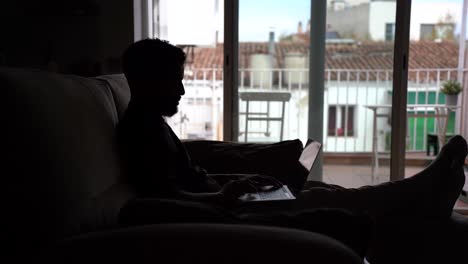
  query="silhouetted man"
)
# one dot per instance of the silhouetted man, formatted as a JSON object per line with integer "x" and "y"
{"x": 157, "y": 164}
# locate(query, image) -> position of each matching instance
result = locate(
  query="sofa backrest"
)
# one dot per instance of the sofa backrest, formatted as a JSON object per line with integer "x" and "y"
{"x": 120, "y": 91}
{"x": 63, "y": 165}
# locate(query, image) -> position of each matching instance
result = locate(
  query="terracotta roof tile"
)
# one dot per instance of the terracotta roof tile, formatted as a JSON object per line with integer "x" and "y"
{"x": 363, "y": 56}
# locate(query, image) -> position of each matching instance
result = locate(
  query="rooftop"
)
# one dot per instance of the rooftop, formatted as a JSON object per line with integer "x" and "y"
{"x": 359, "y": 56}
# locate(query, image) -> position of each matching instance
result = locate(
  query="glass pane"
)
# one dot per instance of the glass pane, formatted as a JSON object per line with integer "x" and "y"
{"x": 434, "y": 49}
{"x": 196, "y": 27}
{"x": 358, "y": 92}
{"x": 273, "y": 70}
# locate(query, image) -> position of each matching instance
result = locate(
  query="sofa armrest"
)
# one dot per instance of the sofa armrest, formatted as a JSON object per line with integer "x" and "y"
{"x": 280, "y": 160}
{"x": 202, "y": 243}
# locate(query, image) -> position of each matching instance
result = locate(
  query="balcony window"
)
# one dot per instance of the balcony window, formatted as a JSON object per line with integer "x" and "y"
{"x": 437, "y": 31}
{"x": 341, "y": 120}
{"x": 390, "y": 32}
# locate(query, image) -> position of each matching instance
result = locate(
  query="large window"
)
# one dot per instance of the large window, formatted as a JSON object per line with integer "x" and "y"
{"x": 273, "y": 81}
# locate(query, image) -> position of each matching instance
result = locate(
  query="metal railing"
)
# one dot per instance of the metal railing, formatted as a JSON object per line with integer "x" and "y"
{"x": 347, "y": 122}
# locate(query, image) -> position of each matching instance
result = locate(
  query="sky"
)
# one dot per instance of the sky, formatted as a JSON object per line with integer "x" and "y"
{"x": 258, "y": 17}
{"x": 282, "y": 16}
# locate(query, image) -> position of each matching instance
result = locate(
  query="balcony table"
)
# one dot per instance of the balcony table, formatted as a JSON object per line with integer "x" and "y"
{"x": 441, "y": 114}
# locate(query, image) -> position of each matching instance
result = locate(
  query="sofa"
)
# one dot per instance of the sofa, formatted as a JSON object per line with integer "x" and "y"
{"x": 64, "y": 190}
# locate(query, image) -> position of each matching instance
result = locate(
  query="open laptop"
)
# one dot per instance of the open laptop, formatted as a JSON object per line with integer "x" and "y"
{"x": 307, "y": 159}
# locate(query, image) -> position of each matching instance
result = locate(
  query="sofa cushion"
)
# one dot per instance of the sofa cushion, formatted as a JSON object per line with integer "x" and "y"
{"x": 62, "y": 154}
{"x": 280, "y": 160}
{"x": 118, "y": 85}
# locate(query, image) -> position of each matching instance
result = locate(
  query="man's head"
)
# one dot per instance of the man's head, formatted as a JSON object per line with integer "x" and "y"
{"x": 154, "y": 70}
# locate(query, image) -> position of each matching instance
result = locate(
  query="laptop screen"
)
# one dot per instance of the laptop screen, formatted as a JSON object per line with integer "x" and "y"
{"x": 309, "y": 154}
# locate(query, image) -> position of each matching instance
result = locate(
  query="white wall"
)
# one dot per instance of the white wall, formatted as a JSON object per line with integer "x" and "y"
{"x": 190, "y": 22}
{"x": 371, "y": 18}
{"x": 380, "y": 13}
{"x": 296, "y": 119}
{"x": 431, "y": 13}
{"x": 357, "y": 94}
{"x": 340, "y": 4}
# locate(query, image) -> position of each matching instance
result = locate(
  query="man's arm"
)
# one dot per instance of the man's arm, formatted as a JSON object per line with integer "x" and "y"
{"x": 228, "y": 194}
{"x": 215, "y": 197}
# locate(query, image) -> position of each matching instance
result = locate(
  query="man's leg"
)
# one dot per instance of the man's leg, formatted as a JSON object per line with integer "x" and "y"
{"x": 432, "y": 192}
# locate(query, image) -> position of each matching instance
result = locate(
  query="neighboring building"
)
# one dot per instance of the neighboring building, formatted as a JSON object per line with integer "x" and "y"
{"x": 365, "y": 21}
{"x": 355, "y": 75}
{"x": 303, "y": 36}
{"x": 375, "y": 20}
{"x": 343, "y": 4}
{"x": 189, "y": 23}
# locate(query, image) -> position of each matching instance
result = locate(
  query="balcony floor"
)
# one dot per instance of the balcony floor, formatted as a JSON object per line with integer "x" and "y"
{"x": 352, "y": 176}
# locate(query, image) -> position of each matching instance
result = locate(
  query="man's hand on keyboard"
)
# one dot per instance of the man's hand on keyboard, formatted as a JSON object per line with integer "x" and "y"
{"x": 262, "y": 182}
{"x": 232, "y": 190}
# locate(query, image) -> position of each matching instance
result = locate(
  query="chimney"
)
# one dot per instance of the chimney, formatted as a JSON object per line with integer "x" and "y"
{"x": 271, "y": 43}
{"x": 308, "y": 26}
{"x": 299, "y": 28}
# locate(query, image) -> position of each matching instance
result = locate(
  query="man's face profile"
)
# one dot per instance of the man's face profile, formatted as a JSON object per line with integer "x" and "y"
{"x": 168, "y": 92}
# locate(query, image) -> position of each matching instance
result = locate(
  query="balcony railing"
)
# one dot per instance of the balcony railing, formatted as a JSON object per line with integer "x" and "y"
{"x": 347, "y": 122}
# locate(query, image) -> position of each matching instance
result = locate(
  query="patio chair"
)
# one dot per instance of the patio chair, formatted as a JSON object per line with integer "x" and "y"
{"x": 267, "y": 97}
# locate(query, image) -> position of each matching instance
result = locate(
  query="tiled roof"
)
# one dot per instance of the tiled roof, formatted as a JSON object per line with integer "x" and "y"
{"x": 363, "y": 56}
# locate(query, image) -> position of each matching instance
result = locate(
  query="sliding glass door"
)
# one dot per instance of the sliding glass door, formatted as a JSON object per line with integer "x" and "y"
{"x": 273, "y": 70}
{"x": 433, "y": 116}
{"x": 359, "y": 90}
{"x": 271, "y": 81}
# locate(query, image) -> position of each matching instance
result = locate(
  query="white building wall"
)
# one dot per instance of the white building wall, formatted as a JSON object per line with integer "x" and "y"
{"x": 357, "y": 95}
{"x": 189, "y": 22}
{"x": 351, "y": 22}
{"x": 202, "y": 105}
{"x": 432, "y": 13}
{"x": 370, "y": 19}
{"x": 342, "y": 4}
{"x": 200, "y": 109}
{"x": 380, "y": 13}
{"x": 296, "y": 118}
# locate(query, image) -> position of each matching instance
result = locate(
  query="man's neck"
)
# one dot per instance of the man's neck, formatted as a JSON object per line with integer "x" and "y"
{"x": 145, "y": 108}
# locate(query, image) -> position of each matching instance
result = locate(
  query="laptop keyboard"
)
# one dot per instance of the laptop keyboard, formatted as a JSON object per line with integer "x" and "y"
{"x": 276, "y": 194}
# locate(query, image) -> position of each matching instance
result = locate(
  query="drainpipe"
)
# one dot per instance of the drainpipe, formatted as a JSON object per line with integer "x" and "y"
{"x": 271, "y": 44}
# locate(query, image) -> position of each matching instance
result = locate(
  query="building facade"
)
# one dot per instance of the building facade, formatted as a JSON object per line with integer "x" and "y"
{"x": 375, "y": 20}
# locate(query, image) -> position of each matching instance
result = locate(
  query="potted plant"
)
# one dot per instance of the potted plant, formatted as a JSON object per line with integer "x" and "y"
{"x": 451, "y": 89}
